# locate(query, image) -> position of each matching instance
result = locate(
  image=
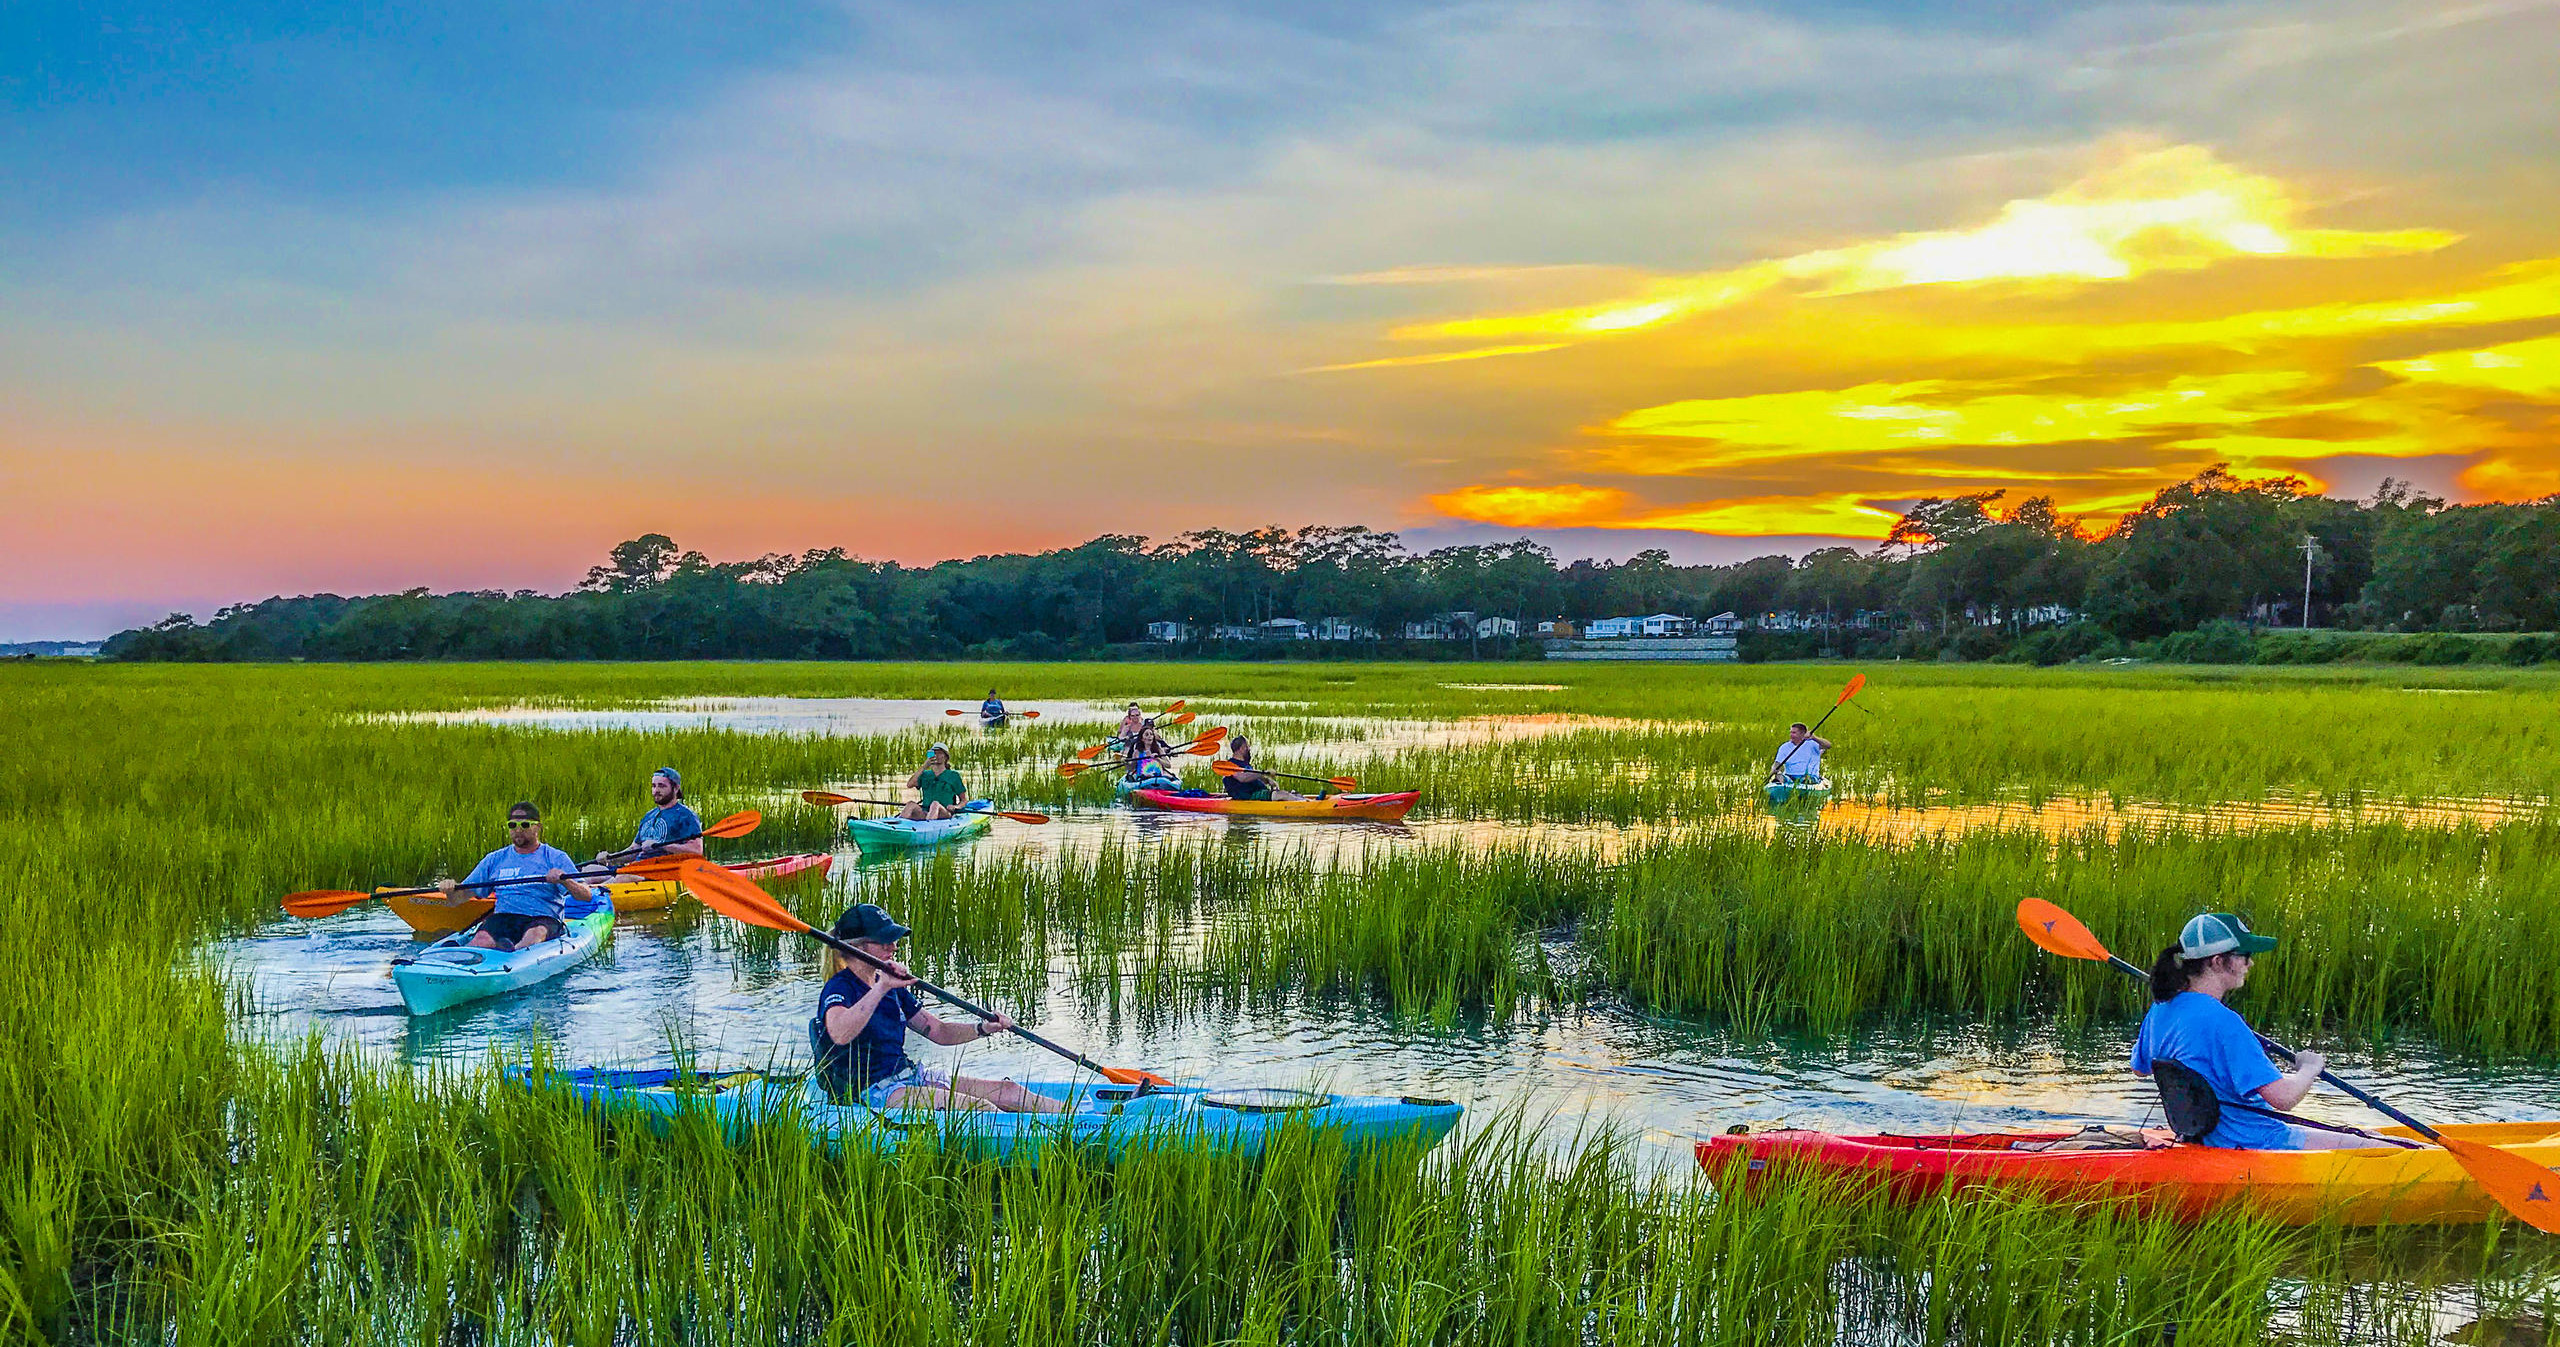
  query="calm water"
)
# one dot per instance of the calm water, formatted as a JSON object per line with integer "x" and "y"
{"x": 686, "y": 976}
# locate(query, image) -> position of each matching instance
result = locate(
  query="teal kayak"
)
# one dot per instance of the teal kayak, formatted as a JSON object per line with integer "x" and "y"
{"x": 1112, "y": 1119}
{"x": 451, "y": 972}
{"x": 875, "y": 834}
{"x": 1799, "y": 792}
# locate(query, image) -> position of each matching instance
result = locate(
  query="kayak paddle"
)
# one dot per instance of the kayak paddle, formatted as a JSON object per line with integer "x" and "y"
{"x": 1019, "y": 715}
{"x": 2524, "y": 1188}
{"x": 1856, "y": 681}
{"x": 827, "y": 799}
{"x": 1229, "y": 768}
{"x": 739, "y": 897}
{"x": 330, "y": 902}
{"x": 1206, "y": 746}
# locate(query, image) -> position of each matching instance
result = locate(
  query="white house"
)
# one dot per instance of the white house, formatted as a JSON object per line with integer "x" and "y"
{"x": 1490, "y": 627}
{"x": 1339, "y": 629}
{"x": 1724, "y": 622}
{"x": 1613, "y": 626}
{"x": 1168, "y": 631}
{"x": 1229, "y": 631}
{"x": 1281, "y": 629}
{"x": 1562, "y": 628}
{"x": 1667, "y": 624}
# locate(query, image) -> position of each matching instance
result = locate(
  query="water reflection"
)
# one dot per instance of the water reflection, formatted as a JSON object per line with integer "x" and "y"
{"x": 687, "y": 977}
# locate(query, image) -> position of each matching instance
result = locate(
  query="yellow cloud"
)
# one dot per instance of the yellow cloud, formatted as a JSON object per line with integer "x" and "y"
{"x": 2527, "y": 368}
{"x": 1562, "y": 506}
{"x": 2174, "y": 209}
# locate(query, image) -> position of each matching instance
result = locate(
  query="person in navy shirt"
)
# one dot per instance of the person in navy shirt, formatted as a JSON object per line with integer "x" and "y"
{"x": 859, "y": 1034}
{"x": 2189, "y": 1024}
{"x": 671, "y": 827}
{"x": 526, "y": 914}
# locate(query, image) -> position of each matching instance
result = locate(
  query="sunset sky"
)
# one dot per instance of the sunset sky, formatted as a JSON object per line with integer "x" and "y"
{"x": 294, "y": 299}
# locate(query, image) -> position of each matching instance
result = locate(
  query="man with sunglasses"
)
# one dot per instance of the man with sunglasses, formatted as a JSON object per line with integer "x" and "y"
{"x": 527, "y": 914}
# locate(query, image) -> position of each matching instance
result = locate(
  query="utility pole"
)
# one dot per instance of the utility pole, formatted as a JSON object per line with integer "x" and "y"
{"x": 2310, "y": 551}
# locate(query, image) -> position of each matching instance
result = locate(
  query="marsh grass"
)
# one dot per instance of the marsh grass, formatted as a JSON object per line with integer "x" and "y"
{"x": 163, "y": 1179}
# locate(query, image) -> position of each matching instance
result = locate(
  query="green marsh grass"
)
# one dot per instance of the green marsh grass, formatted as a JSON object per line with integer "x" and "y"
{"x": 164, "y": 1180}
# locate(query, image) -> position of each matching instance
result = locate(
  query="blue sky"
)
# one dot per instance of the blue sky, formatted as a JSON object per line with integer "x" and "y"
{"x": 273, "y": 279}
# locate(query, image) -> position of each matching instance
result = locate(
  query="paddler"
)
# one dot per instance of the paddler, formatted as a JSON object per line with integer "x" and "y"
{"x": 939, "y": 793}
{"x": 670, "y": 827}
{"x": 2188, "y": 1025}
{"x": 526, "y": 914}
{"x": 1131, "y": 736}
{"x": 992, "y": 708}
{"x": 1148, "y": 769}
{"x": 1800, "y": 757}
{"x": 859, "y": 1034}
{"x": 1247, "y": 783}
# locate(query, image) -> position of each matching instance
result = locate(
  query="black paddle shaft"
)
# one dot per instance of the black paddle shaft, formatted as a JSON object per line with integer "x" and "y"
{"x": 2120, "y": 962}
{"x": 964, "y": 1003}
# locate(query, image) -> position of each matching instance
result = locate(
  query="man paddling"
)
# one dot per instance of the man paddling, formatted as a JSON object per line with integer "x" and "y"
{"x": 1247, "y": 783}
{"x": 859, "y": 1035}
{"x": 526, "y": 914}
{"x": 1800, "y": 757}
{"x": 938, "y": 788}
{"x": 2189, "y": 1033}
{"x": 670, "y": 827}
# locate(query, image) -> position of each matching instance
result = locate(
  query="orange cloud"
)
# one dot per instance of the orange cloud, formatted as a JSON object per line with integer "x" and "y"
{"x": 1561, "y": 506}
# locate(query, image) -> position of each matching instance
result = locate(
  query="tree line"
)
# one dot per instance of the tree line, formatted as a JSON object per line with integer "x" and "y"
{"x": 1969, "y": 576}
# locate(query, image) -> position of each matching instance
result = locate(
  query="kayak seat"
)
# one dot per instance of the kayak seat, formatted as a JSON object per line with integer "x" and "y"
{"x": 2187, "y": 1099}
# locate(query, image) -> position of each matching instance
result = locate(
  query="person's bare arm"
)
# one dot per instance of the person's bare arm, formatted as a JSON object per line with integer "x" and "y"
{"x": 2284, "y": 1094}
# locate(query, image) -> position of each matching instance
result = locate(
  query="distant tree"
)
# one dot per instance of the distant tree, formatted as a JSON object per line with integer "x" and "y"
{"x": 642, "y": 563}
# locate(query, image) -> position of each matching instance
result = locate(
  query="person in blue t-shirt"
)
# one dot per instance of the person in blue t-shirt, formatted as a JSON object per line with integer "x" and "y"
{"x": 526, "y": 914}
{"x": 992, "y": 708}
{"x": 670, "y": 827}
{"x": 859, "y": 1034}
{"x": 2189, "y": 1024}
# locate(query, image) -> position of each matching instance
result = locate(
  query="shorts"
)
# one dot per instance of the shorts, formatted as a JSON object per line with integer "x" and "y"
{"x": 876, "y": 1094}
{"x": 511, "y": 926}
{"x": 1238, "y": 790}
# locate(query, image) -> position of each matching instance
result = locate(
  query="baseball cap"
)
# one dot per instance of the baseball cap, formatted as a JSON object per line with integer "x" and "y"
{"x": 2211, "y": 933}
{"x": 867, "y": 921}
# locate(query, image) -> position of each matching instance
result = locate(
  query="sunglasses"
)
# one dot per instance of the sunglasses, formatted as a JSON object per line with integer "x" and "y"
{"x": 524, "y": 823}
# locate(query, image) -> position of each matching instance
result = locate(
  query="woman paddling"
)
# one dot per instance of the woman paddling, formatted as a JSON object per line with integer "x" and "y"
{"x": 2189, "y": 1027}
{"x": 939, "y": 792}
{"x": 859, "y": 1034}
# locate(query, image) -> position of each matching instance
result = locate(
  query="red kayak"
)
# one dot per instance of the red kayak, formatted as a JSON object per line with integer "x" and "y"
{"x": 2372, "y": 1185}
{"x": 1383, "y": 807}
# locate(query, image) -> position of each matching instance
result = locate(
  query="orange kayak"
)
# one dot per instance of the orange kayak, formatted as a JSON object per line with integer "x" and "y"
{"x": 2379, "y": 1185}
{"x": 1388, "y": 807}
{"x": 430, "y": 914}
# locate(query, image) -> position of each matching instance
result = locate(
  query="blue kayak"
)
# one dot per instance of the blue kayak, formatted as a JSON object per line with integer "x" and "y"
{"x": 1111, "y": 1118}
{"x": 877, "y": 834}
{"x": 451, "y": 971}
{"x": 1799, "y": 792}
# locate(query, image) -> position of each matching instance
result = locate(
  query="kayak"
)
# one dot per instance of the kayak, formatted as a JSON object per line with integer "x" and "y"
{"x": 644, "y": 895}
{"x": 1799, "y": 792}
{"x": 449, "y": 972}
{"x": 987, "y": 722}
{"x": 879, "y": 834}
{"x": 1111, "y": 1118}
{"x": 2377, "y": 1185}
{"x": 1388, "y": 807}
{"x": 429, "y": 914}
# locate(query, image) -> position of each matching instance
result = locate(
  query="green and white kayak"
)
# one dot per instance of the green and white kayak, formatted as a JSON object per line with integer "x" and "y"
{"x": 1113, "y": 1119}
{"x": 451, "y": 972}
{"x": 1802, "y": 793}
{"x": 883, "y": 834}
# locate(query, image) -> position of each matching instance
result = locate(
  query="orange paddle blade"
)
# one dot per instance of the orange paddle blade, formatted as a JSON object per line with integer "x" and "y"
{"x": 656, "y": 867}
{"x": 1224, "y": 768}
{"x": 955, "y": 713}
{"x": 736, "y": 896}
{"x": 1089, "y": 754}
{"x": 1028, "y": 715}
{"x": 1175, "y": 709}
{"x": 1343, "y": 782}
{"x": 825, "y": 798}
{"x": 1022, "y": 816}
{"x": 1069, "y": 769}
{"x": 321, "y": 902}
{"x": 2058, "y": 932}
{"x": 2521, "y": 1186}
{"x": 1856, "y": 681}
{"x": 1184, "y": 719}
{"x": 1121, "y": 1075}
{"x": 736, "y": 825}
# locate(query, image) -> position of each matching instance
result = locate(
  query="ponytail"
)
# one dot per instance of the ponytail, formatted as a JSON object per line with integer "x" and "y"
{"x": 2171, "y": 972}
